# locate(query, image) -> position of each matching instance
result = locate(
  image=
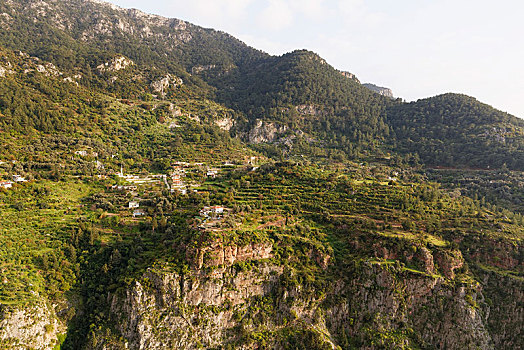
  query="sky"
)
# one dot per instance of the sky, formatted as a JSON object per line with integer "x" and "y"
{"x": 418, "y": 48}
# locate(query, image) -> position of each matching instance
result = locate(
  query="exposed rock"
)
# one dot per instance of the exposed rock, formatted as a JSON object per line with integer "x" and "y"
{"x": 217, "y": 255}
{"x": 200, "y": 69}
{"x": 505, "y": 295}
{"x": 449, "y": 262}
{"x": 134, "y": 22}
{"x": 439, "y": 314}
{"x": 175, "y": 111}
{"x": 350, "y": 76}
{"x": 168, "y": 310}
{"x": 70, "y": 80}
{"x": 161, "y": 311}
{"x": 5, "y": 20}
{"x": 426, "y": 257}
{"x": 265, "y": 132}
{"x": 5, "y": 71}
{"x": 310, "y": 110}
{"x": 225, "y": 123}
{"x": 163, "y": 84}
{"x": 116, "y": 64}
{"x": 48, "y": 69}
{"x": 379, "y": 90}
{"x": 34, "y": 327}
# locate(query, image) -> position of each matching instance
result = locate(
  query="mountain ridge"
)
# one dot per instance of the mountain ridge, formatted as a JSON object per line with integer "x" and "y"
{"x": 349, "y": 119}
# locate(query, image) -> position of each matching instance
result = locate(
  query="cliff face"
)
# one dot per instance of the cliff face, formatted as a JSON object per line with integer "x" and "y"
{"x": 505, "y": 298}
{"x": 168, "y": 310}
{"x": 400, "y": 308}
{"x": 265, "y": 132}
{"x": 379, "y": 305}
{"x": 29, "y": 327}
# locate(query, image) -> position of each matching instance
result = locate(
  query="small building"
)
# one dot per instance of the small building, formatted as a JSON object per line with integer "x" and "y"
{"x": 124, "y": 188}
{"x": 211, "y": 174}
{"x": 6, "y": 184}
{"x": 81, "y": 153}
{"x": 217, "y": 209}
{"x": 18, "y": 178}
{"x": 181, "y": 190}
{"x": 134, "y": 204}
{"x": 212, "y": 210}
{"x": 138, "y": 212}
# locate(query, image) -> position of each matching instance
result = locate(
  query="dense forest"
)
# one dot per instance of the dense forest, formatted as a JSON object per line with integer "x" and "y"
{"x": 451, "y": 130}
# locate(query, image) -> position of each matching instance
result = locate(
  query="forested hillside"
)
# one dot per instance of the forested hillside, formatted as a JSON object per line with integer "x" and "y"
{"x": 298, "y": 94}
{"x": 458, "y": 131}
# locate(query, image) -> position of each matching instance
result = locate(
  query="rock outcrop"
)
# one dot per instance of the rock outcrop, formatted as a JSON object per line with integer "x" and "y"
{"x": 29, "y": 327}
{"x": 116, "y": 64}
{"x": 225, "y": 123}
{"x": 163, "y": 84}
{"x": 264, "y": 131}
{"x": 349, "y": 76}
{"x": 218, "y": 255}
{"x": 310, "y": 110}
{"x": 380, "y": 304}
{"x": 379, "y": 90}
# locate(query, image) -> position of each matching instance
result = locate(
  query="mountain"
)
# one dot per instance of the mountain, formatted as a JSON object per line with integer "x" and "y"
{"x": 164, "y": 185}
{"x": 297, "y": 92}
{"x": 451, "y": 130}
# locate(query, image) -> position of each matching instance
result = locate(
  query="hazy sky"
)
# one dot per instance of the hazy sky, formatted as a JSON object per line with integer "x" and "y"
{"x": 418, "y": 48}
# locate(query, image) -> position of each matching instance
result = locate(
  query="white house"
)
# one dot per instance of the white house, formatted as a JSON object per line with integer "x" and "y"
{"x": 212, "y": 210}
{"x": 6, "y": 184}
{"x": 18, "y": 178}
{"x": 138, "y": 212}
{"x": 217, "y": 209}
{"x": 134, "y": 204}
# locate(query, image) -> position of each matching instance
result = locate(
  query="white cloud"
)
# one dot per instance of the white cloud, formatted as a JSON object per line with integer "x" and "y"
{"x": 277, "y": 15}
{"x": 266, "y": 44}
{"x": 315, "y": 10}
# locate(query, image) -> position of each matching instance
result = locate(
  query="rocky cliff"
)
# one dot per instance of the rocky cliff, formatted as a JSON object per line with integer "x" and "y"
{"x": 379, "y": 90}
{"x": 377, "y": 305}
{"x": 33, "y": 326}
